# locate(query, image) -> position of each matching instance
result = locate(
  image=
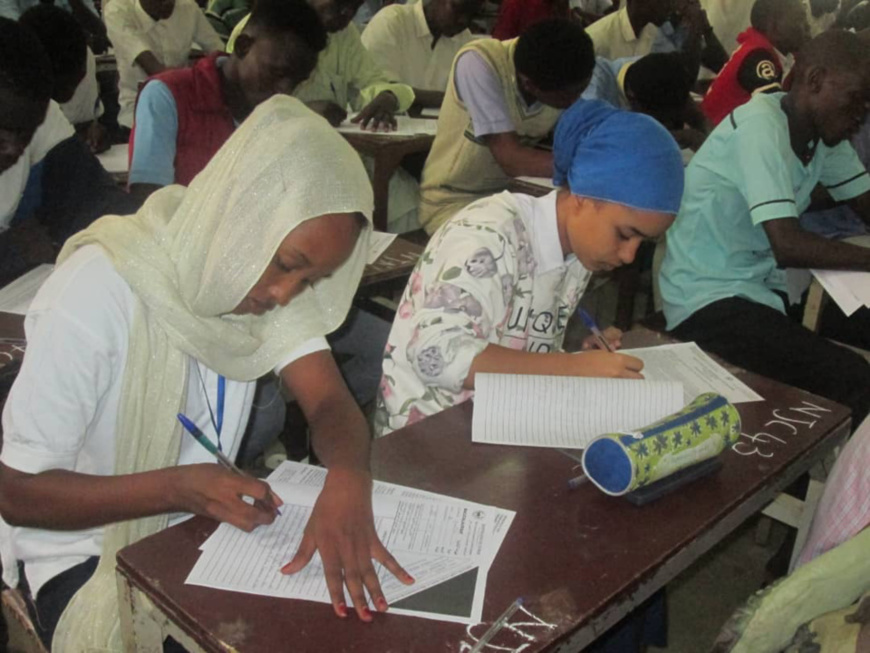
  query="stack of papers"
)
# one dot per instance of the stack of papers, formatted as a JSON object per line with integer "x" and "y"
{"x": 567, "y": 412}
{"x": 434, "y": 537}
{"x": 17, "y": 296}
{"x": 405, "y": 126}
{"x": 851, "y": 290}
{"x": 378, "y": 244}
{"x": 115, "y": 159}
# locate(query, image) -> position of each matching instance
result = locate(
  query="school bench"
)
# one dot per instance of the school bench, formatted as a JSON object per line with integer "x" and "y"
{"x": 581, "y": 560}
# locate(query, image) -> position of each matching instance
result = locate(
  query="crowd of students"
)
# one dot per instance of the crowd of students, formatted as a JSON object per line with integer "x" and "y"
{"x": 234, "y": 253}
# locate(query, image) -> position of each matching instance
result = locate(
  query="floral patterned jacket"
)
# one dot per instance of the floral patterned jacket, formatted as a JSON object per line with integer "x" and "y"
{"x": 489, "y": 275}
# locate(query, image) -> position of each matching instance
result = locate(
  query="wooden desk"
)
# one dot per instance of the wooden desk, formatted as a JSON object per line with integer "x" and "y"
{"x": 581, "y": 559}
{"x": 12, "y": 328}
{"x": 387, "y": 153}
{"x": 392, "y": 268}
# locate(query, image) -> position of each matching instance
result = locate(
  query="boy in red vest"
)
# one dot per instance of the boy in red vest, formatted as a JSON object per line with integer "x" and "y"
{"x": 779, "y": 27}
{"x": 183, "y": 116}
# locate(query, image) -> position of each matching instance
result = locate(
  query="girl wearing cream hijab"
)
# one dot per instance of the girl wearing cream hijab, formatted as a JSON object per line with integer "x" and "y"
{"x": 179, "y": 309}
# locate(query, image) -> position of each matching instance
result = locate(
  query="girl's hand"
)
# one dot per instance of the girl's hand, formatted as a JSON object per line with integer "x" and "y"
{"x": 611, "y": 334}
{"x": 342, "y": 528}
{"x": 604, "y": 364}
{"x": 210, "y": 490}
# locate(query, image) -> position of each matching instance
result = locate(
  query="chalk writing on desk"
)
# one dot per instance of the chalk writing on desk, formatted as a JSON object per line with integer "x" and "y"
{"x": 785, "y": 422}
{"x": 392, "y": 261}
{"x": 515, "y": 637}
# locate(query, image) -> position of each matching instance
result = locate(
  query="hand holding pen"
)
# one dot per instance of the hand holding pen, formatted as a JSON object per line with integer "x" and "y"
{"x": 264, "y": 500}
{"x": 609, "y": 340}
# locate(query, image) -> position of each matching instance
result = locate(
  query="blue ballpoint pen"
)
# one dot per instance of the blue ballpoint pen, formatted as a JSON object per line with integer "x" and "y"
{"x": 200, "y": 437}
{"x": 593, "y": 327}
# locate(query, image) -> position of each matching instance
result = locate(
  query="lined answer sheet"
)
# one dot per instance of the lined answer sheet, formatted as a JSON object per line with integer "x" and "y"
{"x": 687, "y": 363}
{"x": 435, "y": 538}
{"x": 405, "y": 126}
{"x": 565, "y": 411}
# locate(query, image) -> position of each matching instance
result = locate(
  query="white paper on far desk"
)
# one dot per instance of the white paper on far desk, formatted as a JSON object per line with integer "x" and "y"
{"x": 687, "y": 363}
{"x": 544, "y": 182}
{"x": 405, "y": 126}
{"x": 565, "y": 411}
{"x": 16, "y": 296}
{"x": 115, "y": 159}
{"x": 433, "y": 539}
{"x": 378, "y": 244}
{"x": 851, "y": 290}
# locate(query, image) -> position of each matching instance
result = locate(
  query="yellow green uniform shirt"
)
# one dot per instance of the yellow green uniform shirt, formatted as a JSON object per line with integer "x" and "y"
{"x": 345, "y": 73}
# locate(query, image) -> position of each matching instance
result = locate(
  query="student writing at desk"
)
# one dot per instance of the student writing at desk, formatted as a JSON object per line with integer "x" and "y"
{"x": 497, "y": 284}
{"x": 416, "y": 44}
{"x": 150, "y": 36}
{"x": 656, "y": 84}
{"x": 184, "y": 116}
{"x": 179, "y": 309}
{"x": 504, "y": 97}
{"x": 722, "y": 280}
{"x": 346, "y": 75}
{"x": 51, "y": 185}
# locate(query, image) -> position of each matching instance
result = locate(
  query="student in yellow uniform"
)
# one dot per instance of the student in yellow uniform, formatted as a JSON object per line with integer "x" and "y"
{"x": 416, "y": 43}
{"x": 503, "y": 97}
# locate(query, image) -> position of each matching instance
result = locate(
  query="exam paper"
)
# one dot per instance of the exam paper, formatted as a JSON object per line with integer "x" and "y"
{"x": 16, "y": 296}
{"x": 686, "y": 363}
{"x": 851, "y": 290}
{"x": 565, "y": 411}
{"x": 405, "y": 126}
{"x": 116, "y": 159}
{"x": 434, "y": 538}
{"x": 378, "y": 244}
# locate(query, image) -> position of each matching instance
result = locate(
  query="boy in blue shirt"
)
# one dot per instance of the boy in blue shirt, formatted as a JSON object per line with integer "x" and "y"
{"x": 722, "y": 279}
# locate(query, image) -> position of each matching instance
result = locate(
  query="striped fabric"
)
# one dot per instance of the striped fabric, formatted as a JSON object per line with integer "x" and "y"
{"x": 844, "y": 510}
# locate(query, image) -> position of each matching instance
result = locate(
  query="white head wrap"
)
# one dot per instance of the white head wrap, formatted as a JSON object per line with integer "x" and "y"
{"x": 190, "y": 256}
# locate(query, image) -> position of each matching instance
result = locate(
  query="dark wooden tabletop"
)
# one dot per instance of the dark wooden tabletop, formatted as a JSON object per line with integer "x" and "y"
{"x": 395, "y": 263}
{"x": 580, "y": 559}
{"x": 11, "y": 330}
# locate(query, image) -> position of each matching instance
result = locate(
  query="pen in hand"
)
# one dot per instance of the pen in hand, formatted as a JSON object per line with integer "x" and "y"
{"x": 590, "y": 323}
{"x": 222, "y": 460}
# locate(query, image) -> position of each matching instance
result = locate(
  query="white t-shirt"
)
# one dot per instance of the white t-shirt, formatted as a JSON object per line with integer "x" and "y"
{"x": 85, "y": 105}
{"x": 400, "y": 42}
{"x": 62, "y": 411}
{"x": 132, "y": 32}
{"x": 54, "y": 129}
{"x": 614, "y": 37}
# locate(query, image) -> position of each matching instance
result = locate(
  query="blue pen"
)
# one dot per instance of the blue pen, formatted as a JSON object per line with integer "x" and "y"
{"x": 200, "y": 437}
{"x": 593, "y": 327}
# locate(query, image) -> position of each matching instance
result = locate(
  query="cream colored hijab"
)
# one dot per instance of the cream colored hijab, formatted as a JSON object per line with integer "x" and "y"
{"x": 190, "y": 257}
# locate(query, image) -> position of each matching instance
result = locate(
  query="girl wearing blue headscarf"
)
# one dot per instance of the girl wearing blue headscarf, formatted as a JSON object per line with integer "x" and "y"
{"x": 495, "y": 288}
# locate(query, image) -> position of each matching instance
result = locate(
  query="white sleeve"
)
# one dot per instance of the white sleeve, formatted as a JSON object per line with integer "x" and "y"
{"x": 306, "y": 348}
{"x": 71, "y": 362}
{"x": 54, "y": 129}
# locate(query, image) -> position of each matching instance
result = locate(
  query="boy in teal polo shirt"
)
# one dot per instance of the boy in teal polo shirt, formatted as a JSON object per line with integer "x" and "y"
{"x": 722, "y": 280}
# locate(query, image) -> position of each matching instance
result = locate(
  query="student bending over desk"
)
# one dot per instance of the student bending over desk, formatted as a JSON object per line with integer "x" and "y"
{"x": 504, "y": 97}
{"x": 206, "y": 288}
{"x": 658, "y": 85}
{"x": 495, "y": 288}
{"x": 184, "y": 116}
{"x": 722, "y": 280}
{"x": 150, "y": 36}
{"x": 51, "y": 185}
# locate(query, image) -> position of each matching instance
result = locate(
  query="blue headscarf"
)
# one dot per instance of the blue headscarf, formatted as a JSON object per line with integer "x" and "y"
{"x": 618, "y": 156}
